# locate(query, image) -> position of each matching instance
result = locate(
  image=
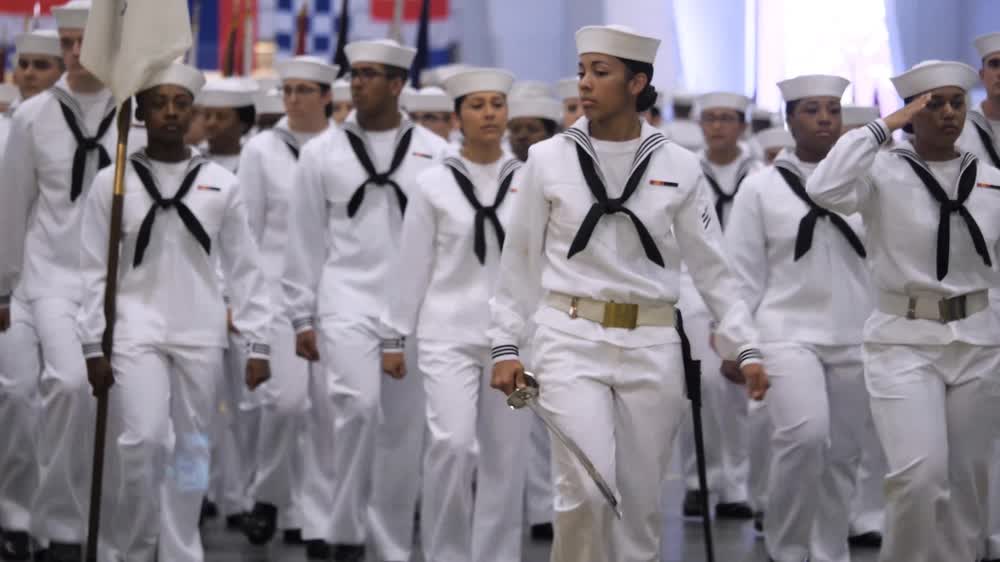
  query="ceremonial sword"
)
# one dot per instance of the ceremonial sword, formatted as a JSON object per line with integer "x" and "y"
{"x": 527, "y": 397}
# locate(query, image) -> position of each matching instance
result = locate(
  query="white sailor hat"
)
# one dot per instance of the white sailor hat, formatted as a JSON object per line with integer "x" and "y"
{"x": 759, "y": 113}
{"x": 309, "y": 68}
{"x": 72, "y": 15}
{"x": 473, "y": 80}
{"x": 382, "y": 51}
{"x": 227, "y": 92}
{"x": 531, "y": 88}
{"x": 987, "y": 44}
{"x": 931, "y": 74}
{"x": 534, "y": 106}
{"x": 177, "y": 74}
{"x": 342, "y": 90}
{"x": 813, "y": 86}
{"x": 568, "y": 88}
{"x": 8, "y": 93}
{"x": 775, "y": 137}
{"x": 269, "y": 102}
{"x": 437, "y": 75}
{"x": 430, "y": 98}
{"x": 723, "y": 100}
{"x": 38, "y": 42}
{"x": 680, "y": 96}
{"x": 856, "y": 115}
{"x": 618, "y": 41}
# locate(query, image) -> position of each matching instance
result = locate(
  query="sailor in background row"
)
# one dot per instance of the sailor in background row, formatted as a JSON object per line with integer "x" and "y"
{"x": 229, "y": 113}
{"x": 432, "y": 108}
{"x": 593, "y": 255}
{"x": 266, "y": 182}
{"x": 932, "y": 345}
{"x": 352, "y": 186}
{"x": 39, "y": 66}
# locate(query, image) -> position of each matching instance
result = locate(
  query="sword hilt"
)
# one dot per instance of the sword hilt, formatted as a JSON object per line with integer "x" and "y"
{"x": 524, "y": 395}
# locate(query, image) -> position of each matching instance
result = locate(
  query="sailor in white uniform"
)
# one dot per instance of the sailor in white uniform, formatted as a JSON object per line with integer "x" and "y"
{"x": 932, "y": 346}
{"x": 682, "y": 129}
{"x": 447, "y": 265}
{"x": 58, "y": 141}
{"x": 39, "y": 66}
{"x": 229, "y": 115}
{"x": 601, "y": 216}
{"x": 432, "y": 108}
{"x": 788, "y": 250}
{"x": 269, "y": 105}
{"x": 726, "y": 163}
{"x": 772, "y": 141}
{"x": 265, "y": 174}
{"x": 351, "y": 190}
{"x": 181, "y": 215}
{"x": 569, "y": 93}
{"x": 342, "y": 104}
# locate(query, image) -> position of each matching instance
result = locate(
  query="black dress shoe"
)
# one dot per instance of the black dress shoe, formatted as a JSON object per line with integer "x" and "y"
{"x": 292, "y": 537}
{"x": 317, "y": 550}
{"x": 734, "y": 510}
{"x": 542, "y": 532}
{"x": 348, "y": 553}
{"x": 693, "y": 506}
{"x": 260, "y": 524}
{"x": 236, "y": 521}
{"x": 208, "y": 511}
{"x": 872, "y": 539}
{"x": 64, "y": 552}
{"x": 758, "y": 523}
{"x": 15, "y": 545}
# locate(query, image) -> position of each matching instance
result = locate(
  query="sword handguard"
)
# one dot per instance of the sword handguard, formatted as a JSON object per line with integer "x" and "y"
{"x": 525, "y": 394}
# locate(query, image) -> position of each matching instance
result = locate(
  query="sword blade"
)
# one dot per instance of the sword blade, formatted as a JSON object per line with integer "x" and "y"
{"x": 577, "y": 452}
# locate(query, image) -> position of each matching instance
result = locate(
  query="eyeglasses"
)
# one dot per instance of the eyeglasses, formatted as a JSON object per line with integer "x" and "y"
{"x": 431, "y": 117}
{"x": 721, "y": 119}
{"x": 366, "y": 74}
{"x": 300, "y": 90}
{"x": 38, "y": 64}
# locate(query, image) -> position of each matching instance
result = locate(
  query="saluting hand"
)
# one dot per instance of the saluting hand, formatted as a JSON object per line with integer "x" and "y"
{"x": 258, "y": 372}
{"x": 757, "y": 381}
{"x": 4, "y": 318}
{"x": 99, "y": 374}
{"x": 508, "y": 376}
{"x": 905, "y": 115}
{"x": 305, "y": 345}
{"x": 394, "y": 364}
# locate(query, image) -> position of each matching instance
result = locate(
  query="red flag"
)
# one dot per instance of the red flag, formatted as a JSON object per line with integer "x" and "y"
{"x": 302, "y": 30}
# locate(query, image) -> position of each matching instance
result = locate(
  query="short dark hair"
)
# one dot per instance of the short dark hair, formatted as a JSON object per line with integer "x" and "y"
{"x": 647, "y": 98}
{"x": 393, "y": 72}
{"x": 458, "y": 104}
{"x": 790, "y": 107}
{"x": 908, "y": 128}
{"x": 247, "y": 116}
{"x": 323, "y": 89}
{"x": 551, "y": 127}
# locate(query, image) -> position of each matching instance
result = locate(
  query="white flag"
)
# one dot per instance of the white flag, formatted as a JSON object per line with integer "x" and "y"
{"x": 127, "y": 41}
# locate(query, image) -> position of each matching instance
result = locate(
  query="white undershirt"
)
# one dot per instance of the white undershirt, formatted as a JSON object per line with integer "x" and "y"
{"x": 484, "y": 178}
{"x": 725, "y": 174}
{"x": 92, "y": 108}
{"x": 946, "y": 172}
{"x": 382, "y": 143}
{"x": 169, "y": 176}
{"x": 616, "y": 162}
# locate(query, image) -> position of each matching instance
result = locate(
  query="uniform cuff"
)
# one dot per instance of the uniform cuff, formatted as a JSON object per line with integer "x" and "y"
{"x": 879, "y": 130}
{"x": 506, "y": 352}
{"x": 92, "y": 350}
{"x": 258, "y": 350}
{"x": 304, "y": 324}
{"x": 393, "y": 345}
{"x": 749, "y": 355}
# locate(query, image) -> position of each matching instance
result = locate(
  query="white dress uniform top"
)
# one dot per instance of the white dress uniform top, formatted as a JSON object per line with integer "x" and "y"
{"x": 787, "y": 249}
{"x": 933, "y": 229}
{"x": 725, "y": 403}
{"x": 227, "y": 93}
{"x": 58, "y": 141}
{"x": 618, "y": 392}
{"x": 346, "y": 216}
{"x": 266, "y": 174}
{"x": 447, "y": 266}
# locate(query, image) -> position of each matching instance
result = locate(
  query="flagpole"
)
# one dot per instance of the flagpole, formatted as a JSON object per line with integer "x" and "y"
{"x": 339, "y": 55}
{"x": 110, "y": 313}
{"x": 422, "y": 60}
{"x": 396, "y": 29}
{"x": 248, "y": 37}
{"x": 192, "y": 57}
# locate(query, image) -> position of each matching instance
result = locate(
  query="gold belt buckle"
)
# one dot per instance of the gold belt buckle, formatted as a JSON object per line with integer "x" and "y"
{"x": 952, "y": 309}
{"x": 620, "y": 315}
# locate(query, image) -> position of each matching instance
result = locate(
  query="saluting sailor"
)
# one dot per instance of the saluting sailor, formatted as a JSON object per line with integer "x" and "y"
{"x": 58, "y": 141}
{"x": 446, "y": 267}
{"x": 932, "y": 346}
{"x": 265, "y": 174}
{"x": 182, "y": 214}
{"x": 603, "y": 217}
{"x": 726, "y": 163}
{"x": 352, "y": 187}
{"x": 805, "y": 278}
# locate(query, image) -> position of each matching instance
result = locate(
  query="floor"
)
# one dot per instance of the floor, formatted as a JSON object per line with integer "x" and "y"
{"x": 682, "y": 542}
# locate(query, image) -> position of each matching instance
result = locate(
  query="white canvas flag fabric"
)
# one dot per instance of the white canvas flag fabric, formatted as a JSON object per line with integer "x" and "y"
{"x": 127, "y": 41}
